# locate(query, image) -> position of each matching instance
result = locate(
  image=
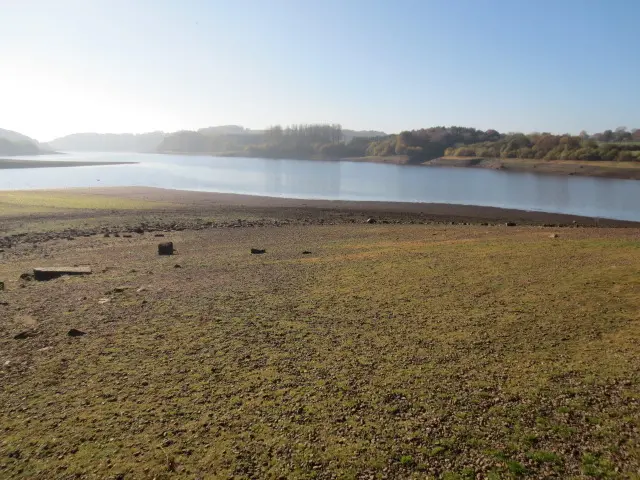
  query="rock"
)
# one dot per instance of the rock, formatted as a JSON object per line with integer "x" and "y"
{"x": 102, "y": 301}
{"x": 75, "y": 333}
{"x": 484, "y": 224}
{"x": 48, "y": 273}
{"x": 139, "y": 230}
{"x": 126, "y": 235}
{"x": 106, "y": 235}
{"x": 159, "y": 235}
{"x": 306, "y": 252}
{"x": 141, "y": 289}
{"x": 165, "y": 248}
{"x": 27, "y": 277}
{"x": 177, "y": 266}
{"x": 1, "y": 286}
{"x": 26, "y": 334}
{"x": 510, "y": 224}
{"x": 119, "y": 289}
{"x": 117, "y": 235}
{"x": 553, "y": 235}
{"x": 371, "y": 220}
{"x": 258, "y": 251}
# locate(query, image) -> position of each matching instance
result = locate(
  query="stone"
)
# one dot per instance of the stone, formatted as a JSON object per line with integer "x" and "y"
{"x": 165, "y": 248}
{"x": 48, "y": 273}
{"x": 117, "y": 235}
{"x": 510, "y": 224}
{"x": 139, "y": 230}
{"x": 159, "y": 235}
{"x": 371, "y": 220}
{"x": 106, "y": 235}
{"x": 26, "y": 334}
{"x": 126, "y": 235}
{"x": 75, "y": 333}
{"x": 258, "y": 251}
{"x": 27, "y": 277}
{"x": 177, "y": 266}
{"x": 306, "y": 252}
{"x": 119, "y": 289}
{"x": 1, "y": 286}
{"x": 553, "y": 235}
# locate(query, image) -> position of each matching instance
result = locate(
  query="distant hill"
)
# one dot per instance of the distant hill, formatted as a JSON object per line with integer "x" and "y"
{"x": 109, "y": 142}
{"x": 229, "y": 130}
{"x": 14, "y": 143}
{"x": 350, "y": 134}
{"x": 222, "y": 138}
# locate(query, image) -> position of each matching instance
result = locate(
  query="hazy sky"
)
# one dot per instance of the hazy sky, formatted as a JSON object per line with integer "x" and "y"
{"x": 139, "y": 65}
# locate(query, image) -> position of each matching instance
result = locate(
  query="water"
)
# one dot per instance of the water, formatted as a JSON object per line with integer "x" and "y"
{"x": 593, "y": 197}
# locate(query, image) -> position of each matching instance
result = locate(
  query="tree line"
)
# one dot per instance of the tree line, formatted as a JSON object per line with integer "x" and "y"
{"x": 328, "y": 141}
{"x": 545, "y": 146}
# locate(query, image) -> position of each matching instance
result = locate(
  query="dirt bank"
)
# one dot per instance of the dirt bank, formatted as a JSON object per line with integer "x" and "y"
{"x": 621, "y": 170}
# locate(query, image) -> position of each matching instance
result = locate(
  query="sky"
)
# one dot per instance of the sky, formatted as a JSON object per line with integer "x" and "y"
{"x": 116, "y": 66}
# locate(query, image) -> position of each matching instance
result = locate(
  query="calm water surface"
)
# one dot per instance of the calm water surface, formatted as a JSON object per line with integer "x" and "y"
{"x": 594, "y": 197}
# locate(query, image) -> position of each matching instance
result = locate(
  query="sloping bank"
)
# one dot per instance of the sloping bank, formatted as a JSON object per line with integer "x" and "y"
{"x": 622, "y": 170}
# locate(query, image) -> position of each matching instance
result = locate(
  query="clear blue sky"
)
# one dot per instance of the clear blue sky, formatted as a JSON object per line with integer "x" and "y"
{"x": 141, "y": 65}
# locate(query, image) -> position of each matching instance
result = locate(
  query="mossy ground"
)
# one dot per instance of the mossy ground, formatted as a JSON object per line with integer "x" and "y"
{"x": 408, "y": 351}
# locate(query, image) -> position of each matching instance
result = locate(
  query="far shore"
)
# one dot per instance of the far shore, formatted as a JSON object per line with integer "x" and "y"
{"x": 6, "y": 163}
{"x": 603, "y": 169}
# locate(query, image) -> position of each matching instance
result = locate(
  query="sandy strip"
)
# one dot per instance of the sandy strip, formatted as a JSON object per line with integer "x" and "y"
{"x": 13, "y": 163}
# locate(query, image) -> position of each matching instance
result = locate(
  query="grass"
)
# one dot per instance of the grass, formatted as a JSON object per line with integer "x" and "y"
{"x": 397, "y": 351}
{"x": 21, "y": 202}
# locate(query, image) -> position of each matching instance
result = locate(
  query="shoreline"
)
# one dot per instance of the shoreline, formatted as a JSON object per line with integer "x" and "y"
{"x": 327, "y": 211}
{"x": 599, "y": 169}
{"x": 9, "y": 164}
{"x": 596, "y": 169}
